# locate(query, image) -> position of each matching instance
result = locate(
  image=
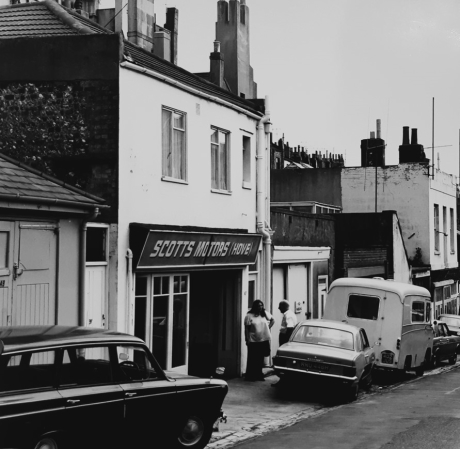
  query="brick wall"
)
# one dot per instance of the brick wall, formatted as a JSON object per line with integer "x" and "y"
{"x": 68, "y": 129}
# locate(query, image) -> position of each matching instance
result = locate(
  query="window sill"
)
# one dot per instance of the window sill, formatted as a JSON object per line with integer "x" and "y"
{"x": 247, "y": 185}
{"x": 437, "y": 253}
{"x": 222, "y": 192}
{"x": 175, "y": 180}
{"x": 452, "y": 252}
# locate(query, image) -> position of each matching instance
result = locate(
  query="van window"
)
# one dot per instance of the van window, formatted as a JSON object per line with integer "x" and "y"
{"x": 365, "y": 307}
{"x": 418, "y": 312}
{"x": 428, "y": 312}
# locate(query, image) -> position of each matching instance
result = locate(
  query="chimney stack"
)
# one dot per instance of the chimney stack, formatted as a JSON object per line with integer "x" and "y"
{"x": 413, "y": 140}
{"x": 378, "y": 128}
{"x": 217, "y": 66}
{"x": 405, "y": 135}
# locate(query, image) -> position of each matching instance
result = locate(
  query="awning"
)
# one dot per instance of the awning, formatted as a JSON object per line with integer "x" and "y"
{"x": 153, "y": 249}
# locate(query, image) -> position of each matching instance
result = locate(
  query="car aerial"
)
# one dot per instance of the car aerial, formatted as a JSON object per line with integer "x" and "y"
{"x": 445, "y": 345}
{"x": 329, "y": 350}
{"x": 453, "y": 322}
{"x": 63, "y": 386}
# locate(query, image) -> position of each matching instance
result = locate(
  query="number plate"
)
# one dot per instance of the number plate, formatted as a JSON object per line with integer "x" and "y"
{"x": 313, "y": 366}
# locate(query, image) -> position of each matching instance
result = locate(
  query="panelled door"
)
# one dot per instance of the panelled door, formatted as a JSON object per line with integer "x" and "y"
{"x": 27, "y": 273}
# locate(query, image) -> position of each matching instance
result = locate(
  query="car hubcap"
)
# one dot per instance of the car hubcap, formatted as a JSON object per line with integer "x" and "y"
{"x": 192, "y": 431}
{"x": 46, "y": 443}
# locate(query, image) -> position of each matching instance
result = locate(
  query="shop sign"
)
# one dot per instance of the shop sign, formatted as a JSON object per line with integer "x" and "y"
{"x": 421, "y": 274}
{"x": 175, "y": 249}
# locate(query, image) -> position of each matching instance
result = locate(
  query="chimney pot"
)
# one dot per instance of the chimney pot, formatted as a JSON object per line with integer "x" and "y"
{"x": 378, "y": 129}
{"x": 372, "y": 135}
{"x": 414, "y": 136}
{"x": 405, "y": 135}
{"x": 216, "y": 47}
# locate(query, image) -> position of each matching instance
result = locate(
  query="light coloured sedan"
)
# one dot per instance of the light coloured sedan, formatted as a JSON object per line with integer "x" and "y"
{"x": 328, "y": 350}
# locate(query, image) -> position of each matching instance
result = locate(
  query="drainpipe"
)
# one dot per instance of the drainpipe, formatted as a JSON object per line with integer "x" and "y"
{"x": 81, "y": 281}
{"x": 263, "y": 130}
{"x": 130, "y": 294}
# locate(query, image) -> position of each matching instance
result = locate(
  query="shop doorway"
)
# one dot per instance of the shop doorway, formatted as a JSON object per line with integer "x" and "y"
{"x": 214, "y": 324}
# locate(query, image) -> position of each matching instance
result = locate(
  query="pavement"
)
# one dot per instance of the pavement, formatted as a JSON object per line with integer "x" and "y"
{"x": 254, "y": 409}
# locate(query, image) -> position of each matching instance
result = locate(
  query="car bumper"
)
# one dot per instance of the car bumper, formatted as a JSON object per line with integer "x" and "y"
{"x": 283, "y": 371}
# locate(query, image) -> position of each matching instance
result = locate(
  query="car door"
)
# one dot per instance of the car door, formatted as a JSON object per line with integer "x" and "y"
{"x": 439, "y": 342}
{"x": 369, "y": 355}
{"x": 30, "y": 405}
{"x": 150, "y": 398}
{"x": 451, "y": 343}
{"x": 93, "y": 398}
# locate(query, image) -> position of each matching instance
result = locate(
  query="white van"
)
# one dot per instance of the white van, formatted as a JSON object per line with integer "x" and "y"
{"x": 395, "y": 316}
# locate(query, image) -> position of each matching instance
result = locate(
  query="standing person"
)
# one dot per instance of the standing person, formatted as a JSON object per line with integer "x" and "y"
{"x": 288, "y": 322}
{"x": 257, "y": 325}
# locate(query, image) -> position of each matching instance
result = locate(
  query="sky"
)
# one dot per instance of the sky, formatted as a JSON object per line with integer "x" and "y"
{"x": 331, "y": 68}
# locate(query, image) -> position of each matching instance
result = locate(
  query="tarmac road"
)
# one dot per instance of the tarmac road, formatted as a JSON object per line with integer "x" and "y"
{"x": 422, "y": 413}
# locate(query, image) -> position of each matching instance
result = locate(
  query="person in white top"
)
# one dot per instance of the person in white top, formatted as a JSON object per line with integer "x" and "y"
{"x": 257, "y": 325}
{"x": 288, "y": 322}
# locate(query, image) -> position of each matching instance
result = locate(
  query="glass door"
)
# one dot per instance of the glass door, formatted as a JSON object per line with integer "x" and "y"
{"x": 162, "y": 318}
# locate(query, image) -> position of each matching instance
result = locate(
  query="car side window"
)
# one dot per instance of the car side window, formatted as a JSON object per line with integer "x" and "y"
{"x": 133, "y": 364}
{"x": 364, "y": 338}
{"x": 29, "y": 370}
{"x": 85, "y": 366}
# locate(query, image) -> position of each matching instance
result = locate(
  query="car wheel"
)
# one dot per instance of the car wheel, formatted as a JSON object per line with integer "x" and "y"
{"x": 435, "y": 361}
{"x": 196, "y": 433}
{"x": 453, "y": 359}
{"x": 46, "y": 443}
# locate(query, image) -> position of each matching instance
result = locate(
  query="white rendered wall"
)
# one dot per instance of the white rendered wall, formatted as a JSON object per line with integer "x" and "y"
{"x": 403, "y": 188}
{"x": 145, "y": 198}
{"x": 443, "y": 192}
{"x": 401, "y": 265}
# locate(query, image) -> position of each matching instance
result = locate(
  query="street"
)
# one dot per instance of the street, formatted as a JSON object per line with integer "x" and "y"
{"x": 415, "y": 412}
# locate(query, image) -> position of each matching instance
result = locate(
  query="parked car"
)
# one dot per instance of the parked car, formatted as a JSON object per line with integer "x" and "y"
{"x": 70, "y": 386}
{"x": 453, "y": 323}
{"x": 445, "y": 345}
{"x": 329, "y": 350}
{"x": 396, "y": 317}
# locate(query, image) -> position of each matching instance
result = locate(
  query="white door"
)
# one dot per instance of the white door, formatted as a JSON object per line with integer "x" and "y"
{"x": 322, "y": 294}
{"x": 95, "y": 292}
{"x": 298, "y": 290}
{"x": 27, "y": 273}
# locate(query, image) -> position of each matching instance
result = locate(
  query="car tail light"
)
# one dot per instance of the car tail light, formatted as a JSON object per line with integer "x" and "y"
{"x": 398, "y": 343}
{"x": 349, "y": 372}
{"x": 279, "y": 361}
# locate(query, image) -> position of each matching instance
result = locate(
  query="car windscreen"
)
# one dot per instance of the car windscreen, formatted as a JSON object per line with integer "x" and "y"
{"x": 324, "y": 336}
{"x": 450, "y": 321}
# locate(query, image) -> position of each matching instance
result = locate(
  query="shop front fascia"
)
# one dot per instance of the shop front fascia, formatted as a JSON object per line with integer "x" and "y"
{"x": 188, "y": 296}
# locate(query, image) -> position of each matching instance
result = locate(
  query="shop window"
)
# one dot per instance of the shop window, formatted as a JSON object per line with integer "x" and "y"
{"x": 174, "y": 144}
{"x": 365, "y": 307}
{"x": 220, "y": 160}
{"x": 436, "y": 227}
{"x": 246, "y": 161}
{"x": 418, "y": 311}
{"x": 140, "y": 307}
{"x": 96, "y": 244}
{"x": 446, "y": 291}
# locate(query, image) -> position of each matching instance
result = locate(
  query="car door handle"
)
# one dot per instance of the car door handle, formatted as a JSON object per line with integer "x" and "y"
{"x": 73, "y": 401}
{"x": 130, "y": 395}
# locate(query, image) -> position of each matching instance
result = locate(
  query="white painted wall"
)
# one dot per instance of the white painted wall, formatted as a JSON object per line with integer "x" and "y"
{"x": 145, "y": 198}
{"x": 401, "y": 265}
{"x": 443, "y": 192}
{"x": 403, "y": 188}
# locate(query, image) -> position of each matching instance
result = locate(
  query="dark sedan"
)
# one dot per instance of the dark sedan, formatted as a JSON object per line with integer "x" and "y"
{"x": 445, "y": 345}
{"x": 70, "y": 386}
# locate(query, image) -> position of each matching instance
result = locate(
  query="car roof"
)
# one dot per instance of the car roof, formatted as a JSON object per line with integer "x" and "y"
{"x": 16, "y": 338}
{"x": 400, "y": 288}
{"x": 331, "y": 324}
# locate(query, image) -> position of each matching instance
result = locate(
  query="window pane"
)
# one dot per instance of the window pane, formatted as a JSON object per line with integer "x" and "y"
{"x": 223, "y": 163}
{"x": 214, "y": 136}
{"x": 418, "y": 311}
{"x": 324, "y": 336}
{"x": 365, "y": 307}
{"x": 178, "y": 155}
{"x": 214, "y": 166}
{"x": 179, "y": 121}
{"x": 27, "y": 371}
{"x": 160, "y": 329}
{"x": 134, "y": 365}
{"x": 96, "y": 244}
{"x": 4, "y": 249}
{"x": 166, "y": 136}
{"x": 179, "y": 328}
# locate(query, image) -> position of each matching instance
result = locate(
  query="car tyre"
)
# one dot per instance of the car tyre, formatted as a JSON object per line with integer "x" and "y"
{"x": 46, "y": 443}
{"x": 435, "y": 361}
{"x": 196, "y": 432}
